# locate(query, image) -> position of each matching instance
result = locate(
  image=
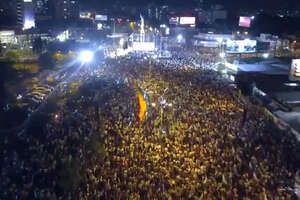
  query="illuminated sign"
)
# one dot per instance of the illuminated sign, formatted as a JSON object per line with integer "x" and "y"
{"x": 85, "y": 15}
{"x": 295, "y": 70}
{"x": 187, "y": 20}
{"x": 174, "y": 20}
{"x": 241, "y": 46}
{"x": 27, "y": 0}
{"x": 101, "y": 17}
{"x": 143, "y": 46}
{"x": 245, "y": 22}
{"x": 209, "y": 44}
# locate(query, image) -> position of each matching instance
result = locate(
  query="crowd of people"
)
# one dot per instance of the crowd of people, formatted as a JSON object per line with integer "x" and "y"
{"x": 200, "y": 139}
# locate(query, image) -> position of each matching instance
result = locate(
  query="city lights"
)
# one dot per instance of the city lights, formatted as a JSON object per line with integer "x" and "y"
{"x": 219, "y": 39}
{"x": 122, "y": 41}
{"x": 149, "y": 100}
{"x": 86, "y": 56}
{"x": 28, "y": 24}
{"x": 222, "y": 55}
{"x": 179, "y": 38}
{"x": 266, "y": 55}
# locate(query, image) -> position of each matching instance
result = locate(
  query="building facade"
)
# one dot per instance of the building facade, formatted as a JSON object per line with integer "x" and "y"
{"x": 66, "y": 9}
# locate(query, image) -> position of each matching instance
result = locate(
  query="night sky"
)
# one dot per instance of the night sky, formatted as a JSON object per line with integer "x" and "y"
{"x": 231, "y": 4}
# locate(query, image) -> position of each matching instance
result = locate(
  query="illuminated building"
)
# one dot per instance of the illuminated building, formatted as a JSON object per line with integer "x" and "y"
{"x": 19, "y": 12}
{"x": 66, "y": 9}
{"x": 24, "y": 12}
{"x": 41, "y": 7}
{"x": 28, "y": 14}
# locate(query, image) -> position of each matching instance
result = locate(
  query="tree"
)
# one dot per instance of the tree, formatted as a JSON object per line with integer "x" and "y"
{"x": 13, "y": 56}
{"x": 1, "y": 49}
{"x": 38, "y": 45}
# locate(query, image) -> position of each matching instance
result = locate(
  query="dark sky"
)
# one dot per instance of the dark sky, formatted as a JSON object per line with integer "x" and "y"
{"x": 233, "y": 4}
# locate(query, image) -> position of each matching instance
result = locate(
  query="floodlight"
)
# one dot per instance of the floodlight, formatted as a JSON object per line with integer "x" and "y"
{"x": 266, "y": 55}
{"x": 179, "y": 37}
{"x": 86, "y": 56}
{"x": 222, "y": 55}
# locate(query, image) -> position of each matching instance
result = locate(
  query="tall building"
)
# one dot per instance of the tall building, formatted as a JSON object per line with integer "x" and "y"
{"x": 28, "y": 14}
{"x": 19, "y": 12}
{"x": 23, "y": 13}
{"x": 66, "y": 9}
{"x": 41, "y": 7}
{"x": 43, "y": 10}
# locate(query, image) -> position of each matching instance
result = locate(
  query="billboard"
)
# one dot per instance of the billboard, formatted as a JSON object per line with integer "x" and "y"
{"x": 241, "y": 46}
{"x": 187, "y": 20}
{"x": 295, "y": 70}
{"x": 85, "y": 15}
{"x": 245, "y": 22}
{"x": 174, "y": 20}
{"x": 208, "y": 44}
{"x": 101, "y": 17}
{"x": 215, "y": 37}
{"x": 143, "y": 46}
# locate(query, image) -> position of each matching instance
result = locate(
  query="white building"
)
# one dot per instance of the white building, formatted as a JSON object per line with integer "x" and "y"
{"x": 7, "y": 37}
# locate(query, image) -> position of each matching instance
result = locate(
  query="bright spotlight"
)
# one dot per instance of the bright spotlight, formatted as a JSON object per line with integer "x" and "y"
{"x": 266, "y": 55}
{"x": 252, "y": 17}
{"x": 122, "y": 41}
{"x": 28, "y": 24}
{"x": 222, "y": 55}
{"x": 86, "y": 56}
{"x": 179, "y": 37}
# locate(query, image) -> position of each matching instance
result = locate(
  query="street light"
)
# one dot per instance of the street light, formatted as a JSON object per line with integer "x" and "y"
{"x": 179, "y": 38}
{"x": 265, "y": 55}
{"x": 86, "y": 56}
{"x": 222, "y": 55}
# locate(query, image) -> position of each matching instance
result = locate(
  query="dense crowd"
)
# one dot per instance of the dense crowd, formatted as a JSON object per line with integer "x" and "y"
{"x": 200, "y": 140}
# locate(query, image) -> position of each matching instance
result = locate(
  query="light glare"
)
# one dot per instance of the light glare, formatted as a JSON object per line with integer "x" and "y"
{"x": 179, "y": 37}
{"x": 86, "y": 56}
{"x": 266, "y": 55}
{"x": 222, "y": 55}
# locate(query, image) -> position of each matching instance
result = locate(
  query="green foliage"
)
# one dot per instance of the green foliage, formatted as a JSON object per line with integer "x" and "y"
{"x": 16, "y": 55}
{"x": 13, "y": 56}
{"x": 26, "y": 52}
{"x": 38, "y": 45}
